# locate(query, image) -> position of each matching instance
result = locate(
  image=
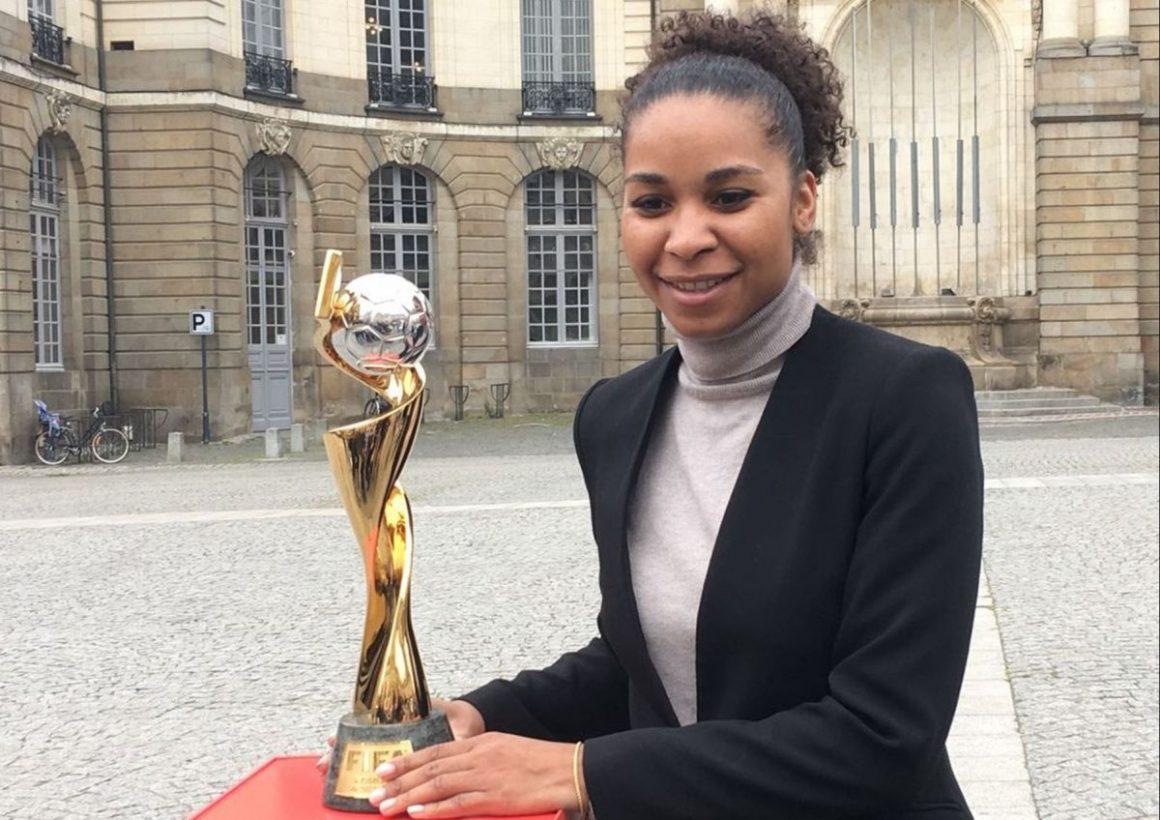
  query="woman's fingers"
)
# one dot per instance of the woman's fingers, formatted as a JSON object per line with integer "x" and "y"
{"x": 324, "y": 762}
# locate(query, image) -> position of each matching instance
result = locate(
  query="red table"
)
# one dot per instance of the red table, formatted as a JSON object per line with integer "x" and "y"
{"x": 288, "y": 788}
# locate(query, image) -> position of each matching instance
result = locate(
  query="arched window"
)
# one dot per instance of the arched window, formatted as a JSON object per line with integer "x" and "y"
{"x": 44, "y": 219}
{"x": 560, "y": 215}
{"x": 402, "y": 225}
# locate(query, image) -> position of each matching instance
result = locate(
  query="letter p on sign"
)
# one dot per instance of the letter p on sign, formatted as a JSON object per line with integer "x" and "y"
{"x": 201, "y": 322}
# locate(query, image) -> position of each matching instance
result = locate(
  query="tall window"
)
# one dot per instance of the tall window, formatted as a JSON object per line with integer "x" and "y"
{"x": 44, "y": 225}
{"x": 397, "y": 70}
{"x": 557, "y": 46}
{"x": 47, "y": 36}
{"x": 402, "y": 225}
{"x": 266, "y": 270}
{"x": 560, "y": 214}
{"x": 263, "y": 41}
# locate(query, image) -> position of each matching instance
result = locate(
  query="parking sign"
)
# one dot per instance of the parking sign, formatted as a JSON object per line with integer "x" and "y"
{"x": 201, "y": 322}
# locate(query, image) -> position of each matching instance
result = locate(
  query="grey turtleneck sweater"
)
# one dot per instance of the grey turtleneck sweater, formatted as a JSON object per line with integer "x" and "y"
{"x": 693, "y": 458}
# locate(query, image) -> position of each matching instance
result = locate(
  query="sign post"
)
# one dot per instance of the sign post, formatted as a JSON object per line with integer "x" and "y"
{"x": 201, "y": 324}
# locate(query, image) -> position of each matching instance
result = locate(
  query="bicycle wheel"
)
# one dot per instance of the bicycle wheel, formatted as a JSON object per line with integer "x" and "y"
{"x": 53, "y": 450}
{"x": 110, "y": 445}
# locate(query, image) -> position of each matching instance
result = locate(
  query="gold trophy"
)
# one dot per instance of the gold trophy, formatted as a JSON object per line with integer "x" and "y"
{"x": 375, "y": 330}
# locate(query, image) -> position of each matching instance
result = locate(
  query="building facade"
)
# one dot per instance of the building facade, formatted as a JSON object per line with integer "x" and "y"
{"x": 1001, "y": 197}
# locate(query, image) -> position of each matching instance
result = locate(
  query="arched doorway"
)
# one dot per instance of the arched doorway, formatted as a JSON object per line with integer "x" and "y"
{"x": 268, "y": 343}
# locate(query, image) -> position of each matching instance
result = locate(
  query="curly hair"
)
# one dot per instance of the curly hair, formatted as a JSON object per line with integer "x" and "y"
{"x": 759, "y": 57}
{"x": 771, "y": 42}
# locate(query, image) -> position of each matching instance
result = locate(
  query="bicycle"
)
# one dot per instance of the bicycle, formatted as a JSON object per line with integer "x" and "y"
{"x": 57, "y": 441}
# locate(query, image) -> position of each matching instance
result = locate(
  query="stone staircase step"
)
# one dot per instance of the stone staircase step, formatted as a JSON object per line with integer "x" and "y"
{"x": 1025, "y": 393}
{"x": 1048, "y": 410}
{"x": 1043, "y": 401}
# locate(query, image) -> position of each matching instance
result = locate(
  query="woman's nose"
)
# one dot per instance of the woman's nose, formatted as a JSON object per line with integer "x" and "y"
{"x": 690, "y": 234}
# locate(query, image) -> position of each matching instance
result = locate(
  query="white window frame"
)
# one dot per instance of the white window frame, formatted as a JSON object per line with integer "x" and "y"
{"x": 556, "y": 41}
{"x": 264, "y": 27}
{"x": 402, "y": 212}
{"x": 44, "y": 9}
{"x": 267, "y": 208}
{"x": 565, "y": 223}
{"x": 45, "y": 258}
{"x": 385, "y": 21}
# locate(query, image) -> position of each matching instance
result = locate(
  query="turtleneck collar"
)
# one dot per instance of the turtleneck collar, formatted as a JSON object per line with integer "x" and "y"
{"x": 755, "y": 345}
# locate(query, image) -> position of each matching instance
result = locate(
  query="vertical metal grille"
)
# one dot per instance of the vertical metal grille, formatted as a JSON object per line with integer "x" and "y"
{"x": 930, "y": 47}
{"x": 267, "y": 312}
{"x": 263, "y": 25}
{"x": 402, "y": 225}
{"x": 44, "y": 252}
{"x": 560, "y": 215}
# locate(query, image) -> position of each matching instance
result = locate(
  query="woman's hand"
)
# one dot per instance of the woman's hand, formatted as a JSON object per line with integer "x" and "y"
{"x": 489, "y": 774}
{"x": 465, "y": 720}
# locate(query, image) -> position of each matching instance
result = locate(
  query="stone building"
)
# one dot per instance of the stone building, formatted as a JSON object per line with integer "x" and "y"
{"x": 1003, "y": 201}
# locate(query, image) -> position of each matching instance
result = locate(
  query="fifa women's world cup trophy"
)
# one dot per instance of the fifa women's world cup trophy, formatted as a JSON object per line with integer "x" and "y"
{"x": 375, "y": 330}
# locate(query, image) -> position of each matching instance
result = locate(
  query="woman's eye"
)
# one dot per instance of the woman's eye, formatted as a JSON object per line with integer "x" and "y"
{"x": 649, "y": 204}
{"x": 731, "y": 199}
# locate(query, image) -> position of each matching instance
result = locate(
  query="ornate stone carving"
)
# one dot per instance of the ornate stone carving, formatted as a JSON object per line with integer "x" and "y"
{"x": 853, "y": 309}
{"x": 1036, "y": 19}
{"x": 403, "y": 148}
{"x": 559, "y": 153}
{"x": 986, "y": 317}
{"x": 273, "y": 137}
{"x": 59, "y": 110}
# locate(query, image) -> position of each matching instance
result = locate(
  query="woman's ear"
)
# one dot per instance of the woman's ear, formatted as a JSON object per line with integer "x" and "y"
{"x": 805, "y": 203}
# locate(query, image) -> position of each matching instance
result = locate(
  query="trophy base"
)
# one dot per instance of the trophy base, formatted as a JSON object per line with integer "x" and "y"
{"x": 361, "y": 747}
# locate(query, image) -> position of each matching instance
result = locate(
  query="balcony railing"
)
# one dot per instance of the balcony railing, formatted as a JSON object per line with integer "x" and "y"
{"x": 47, "y": 39}
{"x": 403, "y": 89}
{"x": 559, "y": 98}
{"x": 270, "y": 75}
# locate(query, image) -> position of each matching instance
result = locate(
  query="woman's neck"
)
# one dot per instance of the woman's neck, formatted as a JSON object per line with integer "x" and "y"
{"x": 757, "y": 342}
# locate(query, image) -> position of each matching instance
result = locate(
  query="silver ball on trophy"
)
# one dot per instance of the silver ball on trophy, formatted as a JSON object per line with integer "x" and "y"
{"x": 385, "y": 323}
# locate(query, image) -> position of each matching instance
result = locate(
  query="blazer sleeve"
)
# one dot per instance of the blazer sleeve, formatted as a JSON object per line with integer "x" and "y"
{"x": 584, "y": 694}
{"x": 899, "y": 653}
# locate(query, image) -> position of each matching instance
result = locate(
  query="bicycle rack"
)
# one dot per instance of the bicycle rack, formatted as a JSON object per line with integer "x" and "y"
{"x": 459, "y": 394}
{"x": 500, "y": 391}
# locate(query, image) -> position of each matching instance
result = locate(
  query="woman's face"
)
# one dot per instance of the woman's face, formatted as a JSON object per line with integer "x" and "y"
{"x": 710, "y": 212}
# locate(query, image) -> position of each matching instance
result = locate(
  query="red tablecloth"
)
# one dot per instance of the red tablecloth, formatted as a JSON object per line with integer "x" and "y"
{"x": 288, "y": 788}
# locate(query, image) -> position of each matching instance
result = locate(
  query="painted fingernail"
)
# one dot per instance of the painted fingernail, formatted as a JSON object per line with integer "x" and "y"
{"x": 386, "y": 770}
{"x": 386, "y": 806}
{"x": 377, "y": 796}
{"x": 415, "y": 809}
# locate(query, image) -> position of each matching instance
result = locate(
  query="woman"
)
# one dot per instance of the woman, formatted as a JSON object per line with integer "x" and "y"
{"x": 787, "y": 507}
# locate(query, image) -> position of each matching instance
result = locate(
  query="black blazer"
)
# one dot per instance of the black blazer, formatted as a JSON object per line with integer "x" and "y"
{"x": 837, "y": 609}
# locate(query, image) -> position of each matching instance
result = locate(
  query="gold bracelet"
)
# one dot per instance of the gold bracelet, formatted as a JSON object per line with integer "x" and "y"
{"x": 580, "y": 801}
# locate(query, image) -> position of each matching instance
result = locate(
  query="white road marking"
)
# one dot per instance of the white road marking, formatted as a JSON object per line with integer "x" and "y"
{"x": 422, "y": 511}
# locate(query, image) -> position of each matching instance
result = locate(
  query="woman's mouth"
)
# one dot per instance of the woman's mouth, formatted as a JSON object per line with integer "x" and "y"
{"x": 697, "y": 285}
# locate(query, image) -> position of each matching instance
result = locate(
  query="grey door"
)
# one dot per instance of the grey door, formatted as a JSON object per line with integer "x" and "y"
{"x": 268, "y": 325}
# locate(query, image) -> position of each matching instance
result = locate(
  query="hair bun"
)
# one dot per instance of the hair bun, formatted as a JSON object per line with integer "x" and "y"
{"x": 779, "y": 47}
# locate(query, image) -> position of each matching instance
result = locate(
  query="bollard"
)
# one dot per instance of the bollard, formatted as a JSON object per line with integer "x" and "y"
{"x": 175, "y": 448}
{"x": 273, "y": 443}
{"x": 297, "y": 438}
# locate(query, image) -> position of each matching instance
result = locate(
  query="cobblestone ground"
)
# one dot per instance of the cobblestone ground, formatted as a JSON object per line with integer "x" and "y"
{"x": 149, "y": 661}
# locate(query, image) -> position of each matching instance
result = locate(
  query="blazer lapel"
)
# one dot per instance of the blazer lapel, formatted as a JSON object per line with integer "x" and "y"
{"x": 765, "y": 493}
{"x": 638, "y": 418}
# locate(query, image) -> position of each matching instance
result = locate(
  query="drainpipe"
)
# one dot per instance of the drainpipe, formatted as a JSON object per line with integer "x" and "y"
{"x": 659, "y": 321}
{"x": 107, "y": 187}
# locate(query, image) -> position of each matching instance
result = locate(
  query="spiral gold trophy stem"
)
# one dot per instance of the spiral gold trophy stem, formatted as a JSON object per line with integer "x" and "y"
{"x": 371, "y": 332}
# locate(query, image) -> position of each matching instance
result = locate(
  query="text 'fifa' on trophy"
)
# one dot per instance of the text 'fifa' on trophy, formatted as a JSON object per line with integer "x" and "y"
{"x": 375, "y": 330}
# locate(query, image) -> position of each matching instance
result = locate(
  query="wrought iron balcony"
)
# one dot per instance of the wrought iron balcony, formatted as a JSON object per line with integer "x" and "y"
{"x": 47, "y": 39}
{"x": 403, "y": 89}
{"x": 270, "y": 75}
{"x": 559, "y": 98}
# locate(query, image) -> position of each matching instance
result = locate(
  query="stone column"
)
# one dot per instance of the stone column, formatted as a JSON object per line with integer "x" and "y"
{"x": 1112, "y": 29}
{"x": 1088, "y": 164}
{"x": 1060, "y": 35}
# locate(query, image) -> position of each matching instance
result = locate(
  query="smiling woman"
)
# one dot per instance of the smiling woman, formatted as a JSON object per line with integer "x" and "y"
{"x": 787, "y": 506}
